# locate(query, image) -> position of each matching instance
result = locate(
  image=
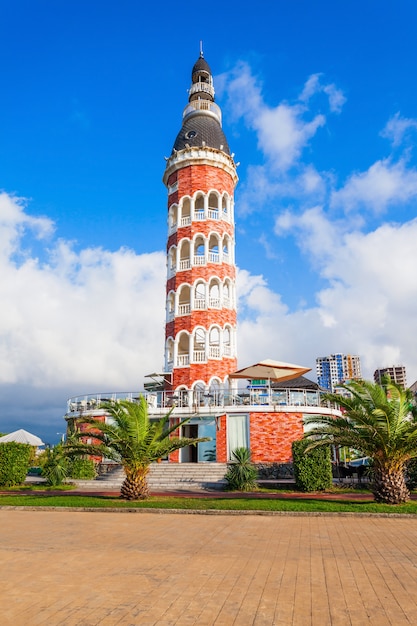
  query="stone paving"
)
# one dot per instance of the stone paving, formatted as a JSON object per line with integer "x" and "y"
{"x": 86, "y": 568}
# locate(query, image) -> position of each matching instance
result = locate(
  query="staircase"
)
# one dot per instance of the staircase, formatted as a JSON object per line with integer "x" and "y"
{"x": 165, "y": 476}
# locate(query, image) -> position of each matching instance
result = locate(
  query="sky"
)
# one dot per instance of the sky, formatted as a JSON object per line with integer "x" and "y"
{"x": 319, "y": 104}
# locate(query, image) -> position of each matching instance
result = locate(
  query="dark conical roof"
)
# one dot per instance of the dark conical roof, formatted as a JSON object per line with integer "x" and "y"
{"x": 200, "y": 65}
{"x": 199, "y": 129}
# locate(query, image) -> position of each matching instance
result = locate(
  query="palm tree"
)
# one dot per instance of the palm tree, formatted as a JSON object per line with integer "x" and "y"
{"x": 132, "y": 439}
{"x": 379, "y": 421}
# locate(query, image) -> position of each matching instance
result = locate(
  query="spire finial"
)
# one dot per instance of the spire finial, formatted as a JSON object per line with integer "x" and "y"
{"x": 201, "y": 49}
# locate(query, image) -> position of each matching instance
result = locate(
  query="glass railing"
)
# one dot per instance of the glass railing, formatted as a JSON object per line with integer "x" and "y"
{"x": 192, "y": 399}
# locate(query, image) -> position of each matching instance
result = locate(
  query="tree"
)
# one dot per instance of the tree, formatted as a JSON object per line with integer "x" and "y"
{"x": 54, "y": 464}
{"x": 379, "y": 421}
{"x": 131, "y": 438}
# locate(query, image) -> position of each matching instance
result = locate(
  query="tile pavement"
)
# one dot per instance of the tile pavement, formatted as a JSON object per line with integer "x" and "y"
{"x": 87, "y": 568}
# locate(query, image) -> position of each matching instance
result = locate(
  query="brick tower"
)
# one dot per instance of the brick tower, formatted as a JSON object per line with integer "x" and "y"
{"x": 200, "y": 176}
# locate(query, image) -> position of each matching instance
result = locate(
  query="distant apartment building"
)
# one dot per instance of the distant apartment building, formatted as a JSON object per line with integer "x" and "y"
{"x": 396, "y": 373}
{"x": 337, "y": 368}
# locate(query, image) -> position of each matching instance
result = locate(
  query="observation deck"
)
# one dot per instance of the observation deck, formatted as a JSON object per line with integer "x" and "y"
{"x": 195, "y": 402}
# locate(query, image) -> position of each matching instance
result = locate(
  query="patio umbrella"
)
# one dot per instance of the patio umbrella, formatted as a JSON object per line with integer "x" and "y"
{"x": 271, "y": 370}
{"x": 22, "y": 436}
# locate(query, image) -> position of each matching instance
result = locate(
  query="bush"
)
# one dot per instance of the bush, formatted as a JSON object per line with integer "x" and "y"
{"x": 242, "y": 473}
{"x": 81, "y": 469}
{"x": 14, "y": 463}
{"x": 313, "y": 469}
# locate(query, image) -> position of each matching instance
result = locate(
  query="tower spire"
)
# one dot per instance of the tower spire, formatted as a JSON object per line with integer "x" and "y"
{"x": 201, "y": 49}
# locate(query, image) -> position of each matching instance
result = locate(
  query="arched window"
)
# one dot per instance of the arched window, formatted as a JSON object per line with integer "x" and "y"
{"x": 199, "y": 207}
{"x": 226, "y": 294}
{"x": 169, "y": 354}
{"x": 225, "y": 206}
{"x": 214, "y": 343}
{"x": 214, "y": 294}
{"x": 170, "y": 306}
{"x": 213, "y": 203}
{"x": 172, "y": 261}
{"x": 199, "y": 392}
{"x": 172, "y": 218}
{"x": 185, "y": 255}
{"x": 181, "y": 396}
{"x": 185, "y": 212}
{"x": 200, "y": 295}
{"x": 199, "y": 250}
{"x": 184, "y": 298}
{"x": 214, "y": 256}
{"x": 227, "y": 341}
{"x": 199, "y": 345}
{"x": 215, "y": 392}
{"x": 226, "y": 249}
{"x": 183, "y": 358}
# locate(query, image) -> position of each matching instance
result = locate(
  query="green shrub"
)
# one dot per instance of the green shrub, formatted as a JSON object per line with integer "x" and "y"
{"x": 242, "y": 473}
{"x": 14, "y": 463}
{"x": 81, "y": 469}
{"x": 313, "y": 469}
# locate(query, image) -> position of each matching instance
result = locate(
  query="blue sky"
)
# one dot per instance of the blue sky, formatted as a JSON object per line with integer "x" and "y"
{"x": 319, "y": 106}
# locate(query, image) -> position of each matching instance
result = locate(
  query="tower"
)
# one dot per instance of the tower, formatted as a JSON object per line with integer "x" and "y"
{"x": 200, "y": 177}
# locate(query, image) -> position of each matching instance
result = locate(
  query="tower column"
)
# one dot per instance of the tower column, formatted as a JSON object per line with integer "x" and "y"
{"x": 200, "y": 177}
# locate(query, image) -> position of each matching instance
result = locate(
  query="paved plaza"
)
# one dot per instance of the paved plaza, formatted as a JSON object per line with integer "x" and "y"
{"x": 85, "y": 568}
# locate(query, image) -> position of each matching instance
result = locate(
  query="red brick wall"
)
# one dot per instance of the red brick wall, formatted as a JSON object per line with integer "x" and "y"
{"x": 203, "y": 371}
{"x": 203, "y": 178}
{"x": 201, "y": 318}
{"x": 271, "y": 436}
{"x": 205, "y": 272}
{"x": 221, "y": 441}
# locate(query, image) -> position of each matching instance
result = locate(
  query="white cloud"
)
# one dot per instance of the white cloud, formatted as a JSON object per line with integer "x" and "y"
{"x": 397, "y": 128}
{"x": 314, "y": 86}
{"x": 283, "y": 131}
{"x": 92, "y": 318}
{"x": 384, "y": 184}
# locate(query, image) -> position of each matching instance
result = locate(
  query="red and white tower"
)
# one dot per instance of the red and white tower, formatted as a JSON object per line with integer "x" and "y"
{"x": 200, "y": 176}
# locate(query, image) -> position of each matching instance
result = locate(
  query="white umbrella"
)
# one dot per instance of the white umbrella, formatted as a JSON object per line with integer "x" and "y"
{"x": 271, "y": 370}
{"x": 22, "y": 436}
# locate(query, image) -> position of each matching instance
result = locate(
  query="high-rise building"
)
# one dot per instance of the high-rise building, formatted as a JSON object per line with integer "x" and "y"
{"x": 200, "y": 176}
{"x": 396, "y": 373}
{"x": 337, "y": 368}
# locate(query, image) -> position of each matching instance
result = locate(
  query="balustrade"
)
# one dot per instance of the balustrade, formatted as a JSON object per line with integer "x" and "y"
{"x": 185, "y": 264}
{"x": 199, "y": 356}
{"x": 214, "y": 352}
{"x": 183, "y": 360}
{"x": 214, "y": 257}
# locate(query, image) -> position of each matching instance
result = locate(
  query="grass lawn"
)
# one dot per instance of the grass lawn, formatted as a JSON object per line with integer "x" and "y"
{"x": 344, "y": 502}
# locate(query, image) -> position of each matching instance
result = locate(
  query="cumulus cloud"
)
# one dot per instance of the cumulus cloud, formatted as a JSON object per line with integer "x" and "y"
{"x": 79, "y": 321}
{"x": 384, "y": 184}
{"x": 368, "y": 306}
{"x": 284, "y": 130}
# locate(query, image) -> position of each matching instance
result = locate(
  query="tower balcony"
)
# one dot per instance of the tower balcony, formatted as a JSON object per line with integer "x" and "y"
{"x": 202, "y": 105}
{"x": 244, "y": 399}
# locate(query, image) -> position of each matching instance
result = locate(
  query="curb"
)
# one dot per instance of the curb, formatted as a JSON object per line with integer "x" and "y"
{"x": 67, "y": 509}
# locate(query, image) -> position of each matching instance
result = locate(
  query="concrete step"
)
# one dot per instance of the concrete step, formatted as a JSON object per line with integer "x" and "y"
{"x": 166, "y": 476}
